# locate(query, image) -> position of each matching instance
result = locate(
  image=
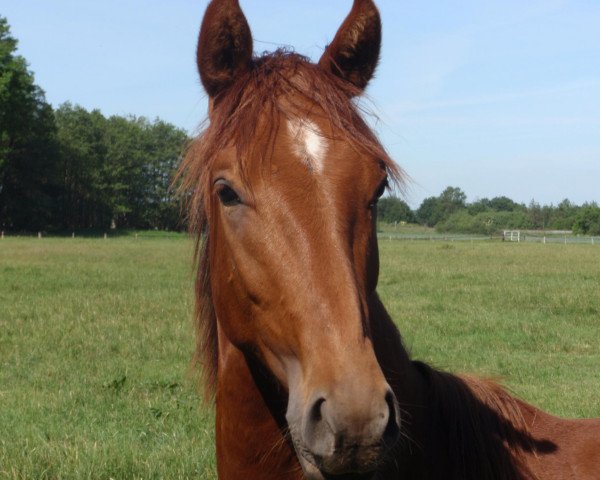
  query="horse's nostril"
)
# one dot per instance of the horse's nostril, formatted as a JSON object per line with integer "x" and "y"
{"x": 392, "y": 429}
{"x": 315, "y": 412}
{"x": 317, "y": 430}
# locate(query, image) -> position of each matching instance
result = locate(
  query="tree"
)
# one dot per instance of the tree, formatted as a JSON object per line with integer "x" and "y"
{"x": 481, "y": 205}
{"x": 435, "y": 210}
{"x": 28, "y": 178}
{"x": 86, "y": 192}
{"x": 504, "y": 204}
{"x": 536, "y": 215}
{"x": 164, "y": 150}
{"x": 142, "y": 157}
{"x": 587, "y": 221}
{"x": 564, "y": 216}
{"x": 427, "y": 213}
{"x": 392, "y": 209}
{"x": 117, "y": 171}
{"x": 451, "y": 200}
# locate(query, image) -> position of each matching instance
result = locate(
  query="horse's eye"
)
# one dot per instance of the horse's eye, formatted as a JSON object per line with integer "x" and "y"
{"x": 379, "y": 192}
{"x": 227, "y": 195}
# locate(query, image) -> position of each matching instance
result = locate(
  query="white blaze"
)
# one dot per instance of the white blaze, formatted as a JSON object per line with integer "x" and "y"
{"x": 308, "y": 143}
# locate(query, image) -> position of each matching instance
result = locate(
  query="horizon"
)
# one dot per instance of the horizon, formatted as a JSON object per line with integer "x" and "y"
{"x": 500, "y": 99}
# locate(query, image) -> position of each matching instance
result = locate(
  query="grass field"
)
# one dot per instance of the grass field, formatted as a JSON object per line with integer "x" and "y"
{"x": 95, "y": 341}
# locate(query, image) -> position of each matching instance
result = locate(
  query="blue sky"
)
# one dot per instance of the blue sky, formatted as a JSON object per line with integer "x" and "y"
{"x": 497, "y": 97}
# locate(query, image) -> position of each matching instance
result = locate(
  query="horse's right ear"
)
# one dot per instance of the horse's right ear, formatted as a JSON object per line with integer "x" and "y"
{"x": 224, "y": 46}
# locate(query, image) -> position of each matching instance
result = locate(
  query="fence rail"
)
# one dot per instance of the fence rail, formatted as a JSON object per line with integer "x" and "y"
{"x": 523, "y": 237}
{"x": 564, "y": 240}
{"x": 436, "y": 237}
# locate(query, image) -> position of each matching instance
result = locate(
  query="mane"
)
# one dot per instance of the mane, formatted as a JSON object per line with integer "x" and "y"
{"x": 476, "y": 429}
{"x": 277, "y": 84}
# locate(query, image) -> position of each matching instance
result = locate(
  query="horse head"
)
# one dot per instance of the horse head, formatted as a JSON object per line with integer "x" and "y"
{"x": 286, "y": 179}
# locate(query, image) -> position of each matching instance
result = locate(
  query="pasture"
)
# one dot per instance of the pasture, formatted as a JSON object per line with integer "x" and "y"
{"x": 96, "y": 337}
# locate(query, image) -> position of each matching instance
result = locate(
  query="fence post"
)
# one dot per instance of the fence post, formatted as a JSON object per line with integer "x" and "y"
{"x": 544, "y": 240}
{"x": 105, "y": 236}
{"x": 39, "y": 234}
{"x": 73, "y": 235}
{"x": 2, "y": 236}
{"x": 565, "y": 239}
{"x": 592, "y": 238}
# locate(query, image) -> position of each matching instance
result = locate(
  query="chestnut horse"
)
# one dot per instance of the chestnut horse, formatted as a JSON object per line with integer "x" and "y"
{"x": 309, "y": 373}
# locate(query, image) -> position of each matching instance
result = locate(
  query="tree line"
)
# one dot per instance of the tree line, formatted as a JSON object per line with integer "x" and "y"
{"x": 72, "y": 169}
{"x": 450, "y": 212}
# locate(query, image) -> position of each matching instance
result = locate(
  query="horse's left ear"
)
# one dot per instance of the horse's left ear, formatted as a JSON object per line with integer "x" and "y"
{"x": 354, "y": 53}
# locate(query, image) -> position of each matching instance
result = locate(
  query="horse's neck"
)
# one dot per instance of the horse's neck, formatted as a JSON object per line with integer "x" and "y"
{"x": 475, "y": 429}
{"x": 410, "y": 389}
{"x": 408, "y": 384}
{"x": 453, "y": 427}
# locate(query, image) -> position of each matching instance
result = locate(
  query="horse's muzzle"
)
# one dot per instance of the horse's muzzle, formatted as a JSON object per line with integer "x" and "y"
{"x": 347, "y": 437}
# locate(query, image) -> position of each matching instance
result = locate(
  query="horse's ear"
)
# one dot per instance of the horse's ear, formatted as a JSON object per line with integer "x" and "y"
{"x": 224, "y": 46}
{"x": 354, "y": 53}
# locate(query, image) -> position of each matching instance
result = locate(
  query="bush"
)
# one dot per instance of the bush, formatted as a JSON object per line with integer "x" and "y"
{"x": 484, "y": 223}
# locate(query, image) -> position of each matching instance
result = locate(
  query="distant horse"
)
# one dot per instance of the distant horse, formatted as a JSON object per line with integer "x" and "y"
{"x": 309, "y": 373}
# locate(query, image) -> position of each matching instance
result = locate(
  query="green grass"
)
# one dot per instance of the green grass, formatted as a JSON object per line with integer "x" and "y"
{"x": 96, "y": 337}
{"x": 95, "y": 342}
{"x": 528, "y": 314}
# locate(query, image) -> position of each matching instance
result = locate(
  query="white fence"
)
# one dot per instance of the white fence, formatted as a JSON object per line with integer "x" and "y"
{"x": 512, "y": 235}
{"x": 564, "y": 237}
{"x": 517, "y": 236}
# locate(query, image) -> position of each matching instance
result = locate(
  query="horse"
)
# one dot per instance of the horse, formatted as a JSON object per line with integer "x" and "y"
{"x": 307, "y": 371}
